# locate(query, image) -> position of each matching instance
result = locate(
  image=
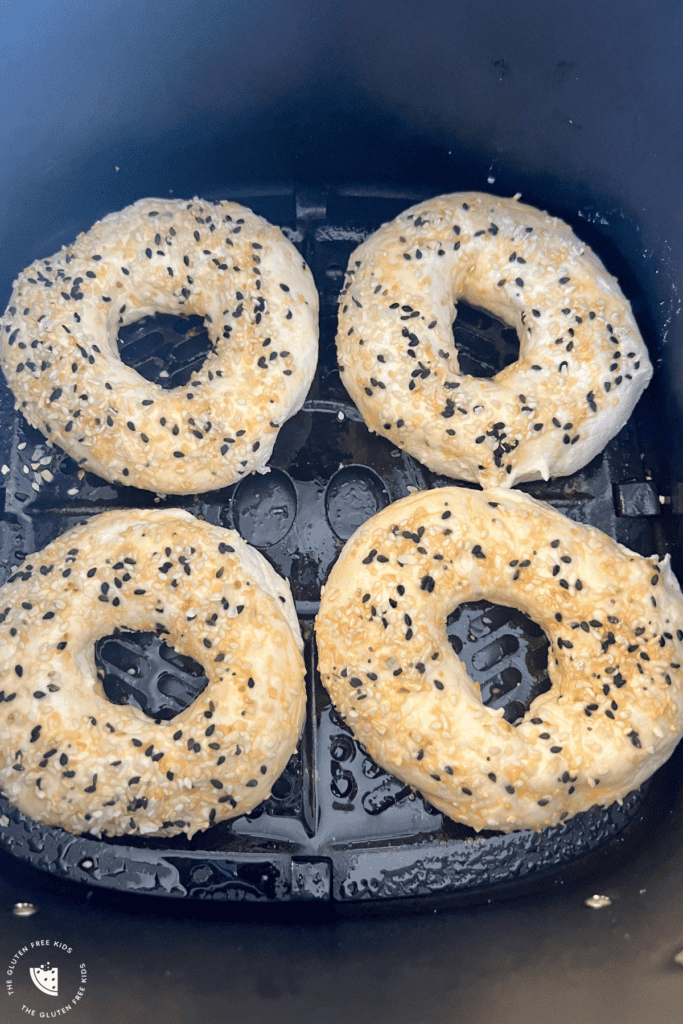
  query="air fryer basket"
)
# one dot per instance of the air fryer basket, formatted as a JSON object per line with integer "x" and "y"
{"x": 336, "y": 827}
{"x": 329, "y": 119}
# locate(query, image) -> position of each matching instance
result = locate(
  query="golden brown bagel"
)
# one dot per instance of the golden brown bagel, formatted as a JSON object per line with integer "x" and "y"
{"x": 219, "y": 260}
{"x": 68, "y": 757}
{"x": 582, "y": 363}
{"x": 613, "y": 618}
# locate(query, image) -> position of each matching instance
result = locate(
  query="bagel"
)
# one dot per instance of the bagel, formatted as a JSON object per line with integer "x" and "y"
{"x": 582, "y": 363}
{"x": 219, "y": 260}
{"x": 614, "y": 712}
{"x": 68, "y": 756}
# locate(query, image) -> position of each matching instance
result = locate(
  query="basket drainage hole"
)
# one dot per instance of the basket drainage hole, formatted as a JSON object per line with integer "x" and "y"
{"x": 354, "y": 494}
{"x": 164, "y": 348}
{"x": 141, "y": 669}
{"x": 264, "y": 507}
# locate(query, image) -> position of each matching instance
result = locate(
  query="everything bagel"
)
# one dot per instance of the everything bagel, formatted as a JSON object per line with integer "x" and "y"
{"x": 68, "y": 756}
{"x": 582, "y": 363}
{"x": 218, "y": 260}
{"x": 613, "y": 619}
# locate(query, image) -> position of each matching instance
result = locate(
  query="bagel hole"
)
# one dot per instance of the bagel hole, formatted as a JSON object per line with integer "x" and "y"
{"x": 165, "y": 349}
{"x": 485, "y": 345}
{"x": 142, "y": 669}
{"x": 504, "y": 651}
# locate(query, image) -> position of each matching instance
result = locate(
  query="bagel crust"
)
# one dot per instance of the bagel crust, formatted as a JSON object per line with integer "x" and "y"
{"x": 615, "y": 710}
{"x": 582, "y": 363}
{"x": 60, "y": 356}
{"x": 68, "y": 756}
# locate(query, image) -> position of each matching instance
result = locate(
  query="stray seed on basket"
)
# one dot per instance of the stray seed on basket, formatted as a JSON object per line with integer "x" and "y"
{"x": 597, "y": 902}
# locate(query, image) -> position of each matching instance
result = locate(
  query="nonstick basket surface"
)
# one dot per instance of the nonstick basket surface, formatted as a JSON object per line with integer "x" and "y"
{"x": 336, "y": 828}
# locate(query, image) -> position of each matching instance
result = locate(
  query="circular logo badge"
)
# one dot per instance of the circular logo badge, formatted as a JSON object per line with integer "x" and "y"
{"x": 45, "y": 979}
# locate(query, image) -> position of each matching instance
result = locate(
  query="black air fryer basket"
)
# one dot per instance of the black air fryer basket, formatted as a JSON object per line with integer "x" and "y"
{"x": 329, "y": 131}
